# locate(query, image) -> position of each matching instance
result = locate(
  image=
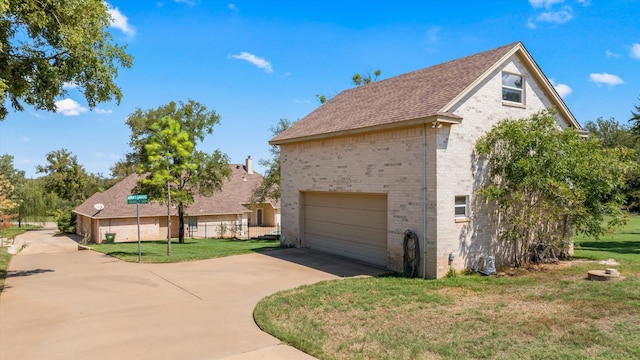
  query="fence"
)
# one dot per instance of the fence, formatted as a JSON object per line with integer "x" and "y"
{"x": 233, "y": 230}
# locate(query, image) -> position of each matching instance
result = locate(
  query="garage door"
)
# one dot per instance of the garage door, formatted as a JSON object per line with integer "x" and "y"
{"x": 350, "y": 225}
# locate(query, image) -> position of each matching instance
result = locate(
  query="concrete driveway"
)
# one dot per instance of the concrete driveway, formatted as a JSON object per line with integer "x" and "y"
{"x": 61, "y": 303}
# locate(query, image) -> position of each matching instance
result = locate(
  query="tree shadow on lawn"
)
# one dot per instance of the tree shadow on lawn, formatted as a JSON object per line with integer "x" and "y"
{"x": 619, "y": 247}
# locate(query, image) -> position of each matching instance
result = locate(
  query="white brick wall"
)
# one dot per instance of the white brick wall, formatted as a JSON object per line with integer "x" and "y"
{"x": 392, "y": 163}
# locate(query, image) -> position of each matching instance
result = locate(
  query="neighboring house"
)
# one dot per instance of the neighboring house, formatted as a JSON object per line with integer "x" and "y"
{"x": 227, "y": 210}
{"x": 398, "y": 154}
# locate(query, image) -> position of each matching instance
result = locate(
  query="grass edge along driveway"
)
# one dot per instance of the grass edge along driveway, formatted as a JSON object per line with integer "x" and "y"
{"x": 191, "y": 250}
{"x": 551, "y": 313}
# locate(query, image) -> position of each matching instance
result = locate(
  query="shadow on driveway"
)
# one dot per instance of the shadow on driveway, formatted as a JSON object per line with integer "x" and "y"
{"x": 328, "y": 263}
{"x": 19, "y": 273}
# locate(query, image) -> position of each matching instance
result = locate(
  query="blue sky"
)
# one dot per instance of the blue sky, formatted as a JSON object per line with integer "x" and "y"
{"x": 254, "y": 62}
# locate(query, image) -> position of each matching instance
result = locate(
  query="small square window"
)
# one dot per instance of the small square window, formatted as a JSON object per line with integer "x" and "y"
{"x": 462, "y": 206}
{"x": 512, "y": 88}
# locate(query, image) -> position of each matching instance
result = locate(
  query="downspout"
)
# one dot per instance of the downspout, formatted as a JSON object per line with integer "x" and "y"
{"x": 424, "y": 201}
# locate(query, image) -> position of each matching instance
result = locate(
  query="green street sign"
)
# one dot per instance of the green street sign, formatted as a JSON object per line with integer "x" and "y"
{"x": 137, "y": 199}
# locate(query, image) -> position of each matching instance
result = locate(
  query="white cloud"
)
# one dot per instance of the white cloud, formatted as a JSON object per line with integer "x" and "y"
{"x": 544, "y": 3}
{"x": 69, "y": 107}
{"x": 259, "y": 62}
{"x": 605, "y": 78}
{"x": 188, "y": 2}
{"x": 563, "y": 90}
{"x": 103, "y": 111}
{"x": 610, "y": 54}
{"x": 558, "y": 17}
{"x": 433, "y": 34}
{"x": 69, "y": 85}
{"x": 35, "y": 114}
{"x": 531, "y": 24}
{"x": 635, "y": 51}
{"x": 585, "y": 2}
{"x": 120, "y": 21}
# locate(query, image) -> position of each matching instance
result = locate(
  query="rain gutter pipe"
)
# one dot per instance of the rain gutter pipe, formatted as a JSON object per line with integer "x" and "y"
{"x": 424, "y": 201}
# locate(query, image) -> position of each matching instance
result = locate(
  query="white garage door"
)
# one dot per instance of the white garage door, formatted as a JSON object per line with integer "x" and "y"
{"x": 351, "y": 225}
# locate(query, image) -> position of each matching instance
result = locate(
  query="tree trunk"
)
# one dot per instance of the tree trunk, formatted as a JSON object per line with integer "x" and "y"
{"x": 181, "y": 228}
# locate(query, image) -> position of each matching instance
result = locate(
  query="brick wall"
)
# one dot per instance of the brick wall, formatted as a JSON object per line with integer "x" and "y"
{"x": 393, "y": 163}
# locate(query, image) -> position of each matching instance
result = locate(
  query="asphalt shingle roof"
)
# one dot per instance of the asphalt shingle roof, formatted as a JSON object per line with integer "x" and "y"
{"x": 413, "y": 95}
{"x": 235, "y": 192}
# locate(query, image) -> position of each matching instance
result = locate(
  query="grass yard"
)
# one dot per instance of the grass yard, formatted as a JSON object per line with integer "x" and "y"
{"x": 192, "y": 249}
{"x": 14, "y": 231}
{"x": 4, "y": 264}
{"x": 553, "y": 313}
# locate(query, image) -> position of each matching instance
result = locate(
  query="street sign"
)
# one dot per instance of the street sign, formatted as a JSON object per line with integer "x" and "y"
{"x": 137, "y": 199}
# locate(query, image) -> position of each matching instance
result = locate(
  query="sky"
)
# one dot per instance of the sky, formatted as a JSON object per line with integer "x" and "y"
{"x": 255, "y": 62}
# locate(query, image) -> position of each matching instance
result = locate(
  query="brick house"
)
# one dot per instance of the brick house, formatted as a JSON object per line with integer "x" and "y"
{"x": 398, "y": 154}
{"x": 229, "y": 207}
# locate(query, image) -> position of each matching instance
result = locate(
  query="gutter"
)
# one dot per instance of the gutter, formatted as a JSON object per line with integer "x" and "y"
{"x": 424, "y": 201}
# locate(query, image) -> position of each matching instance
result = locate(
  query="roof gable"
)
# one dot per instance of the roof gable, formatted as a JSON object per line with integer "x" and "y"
{"x": 416, "y": 96}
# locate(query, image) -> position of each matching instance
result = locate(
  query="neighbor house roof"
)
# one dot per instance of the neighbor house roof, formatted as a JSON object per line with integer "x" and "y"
{"x": 419, "y": 96}
{"x": 235, "y": 192}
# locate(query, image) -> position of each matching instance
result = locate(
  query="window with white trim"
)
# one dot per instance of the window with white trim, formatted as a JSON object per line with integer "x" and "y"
{"x": 462, "y": 206}
{"x": 513, "y": 88}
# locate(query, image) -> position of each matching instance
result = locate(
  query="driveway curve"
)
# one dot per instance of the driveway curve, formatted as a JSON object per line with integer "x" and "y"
{"x": 61, "y": 303}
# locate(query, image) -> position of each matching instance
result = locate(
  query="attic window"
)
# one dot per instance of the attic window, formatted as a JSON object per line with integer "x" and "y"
{"x": 513, "y": 88}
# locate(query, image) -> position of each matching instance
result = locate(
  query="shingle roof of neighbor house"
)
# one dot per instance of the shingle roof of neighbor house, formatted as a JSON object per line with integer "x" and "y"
{"x": 412, "y": 96}
{"x": 235, "y": 192}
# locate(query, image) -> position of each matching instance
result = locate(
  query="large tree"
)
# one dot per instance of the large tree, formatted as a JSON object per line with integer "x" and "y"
{"x": 14, "y": 177}
{"x": 613, "y": 134}
{"x": 36, "y": 204}
{"x": 45, "y": 45}
{"x": 548, "y": 182}
{"x": 193, "y": 117}
{"x": 65, "y": 177}
{"x": 635, "y": 120}
{"x": 164, "y": 151}
{"x": 269, "y": 188}
{"x": 7, "y": 202}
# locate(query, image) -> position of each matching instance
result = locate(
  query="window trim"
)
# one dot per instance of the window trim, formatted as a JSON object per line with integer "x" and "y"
{"x": 465, "y": 206}
{"x": 521, "y": 90}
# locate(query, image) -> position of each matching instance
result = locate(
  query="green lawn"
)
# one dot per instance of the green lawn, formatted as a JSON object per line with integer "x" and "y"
{"x": 624, "y": 246}
{"x": 192, "y": 249}
{"x": 4, "y": 264}
{"x": 15, "y": 231}
{"x": 554, "y": 313}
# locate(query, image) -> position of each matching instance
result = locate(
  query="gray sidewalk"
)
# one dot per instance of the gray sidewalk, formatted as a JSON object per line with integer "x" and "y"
{"x": 61, "y": 303}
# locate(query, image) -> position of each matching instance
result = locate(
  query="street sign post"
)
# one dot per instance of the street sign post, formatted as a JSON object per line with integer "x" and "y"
{"x": 138, "y": 199}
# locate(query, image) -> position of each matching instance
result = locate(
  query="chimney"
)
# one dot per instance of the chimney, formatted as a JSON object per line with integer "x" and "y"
{"x": 249, "y": 165}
